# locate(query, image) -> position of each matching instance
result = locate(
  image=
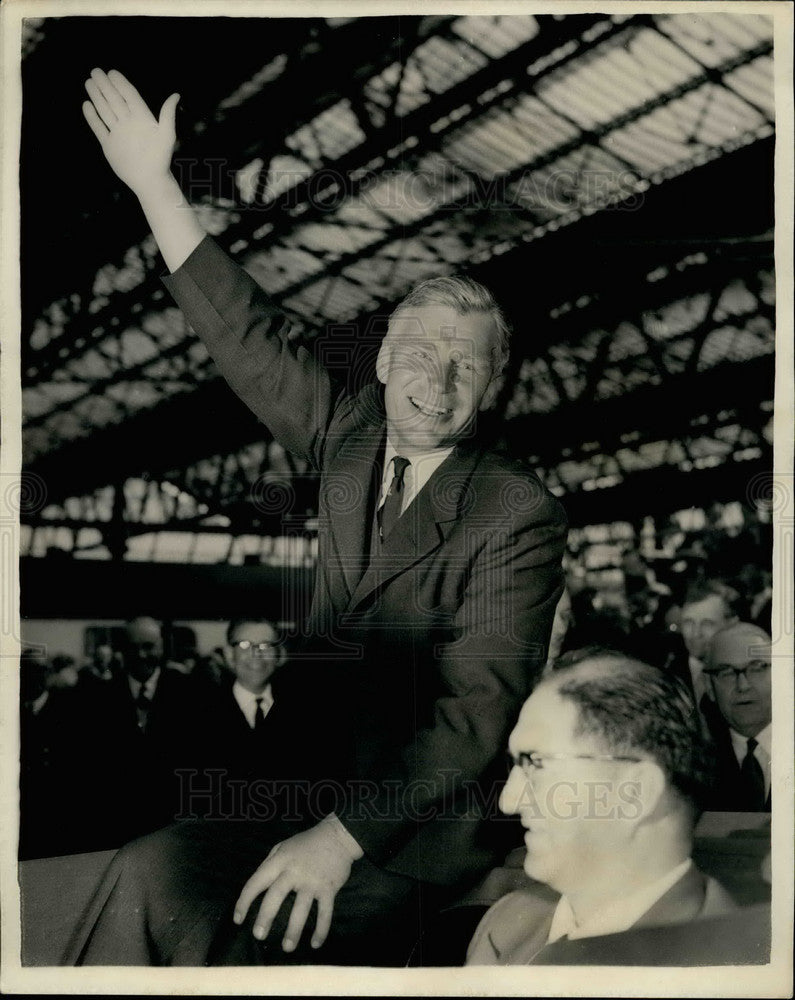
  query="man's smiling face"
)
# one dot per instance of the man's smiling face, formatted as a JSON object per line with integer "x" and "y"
{"x": 436, "y": 366}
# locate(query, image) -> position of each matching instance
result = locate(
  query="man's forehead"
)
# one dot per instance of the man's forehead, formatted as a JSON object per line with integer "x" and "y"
{"x": 544, "y": 714}
{"x": 253, "y": 630}
{"x": 441, "y": 323}
{"x": 705, "y": 606}
{"x": 740, "y": 646}
{"x": 143, "y": 630}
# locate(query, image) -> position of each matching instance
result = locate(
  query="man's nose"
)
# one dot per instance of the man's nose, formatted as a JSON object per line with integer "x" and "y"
{"x": 511, "y": 794}
{"x": 741, "y": 681}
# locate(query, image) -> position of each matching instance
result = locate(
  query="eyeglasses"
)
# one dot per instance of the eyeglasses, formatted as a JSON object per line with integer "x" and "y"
{"x": 255, "y": 647}
{"x": 725, "y": 673}
{"x": 531, "y": 760}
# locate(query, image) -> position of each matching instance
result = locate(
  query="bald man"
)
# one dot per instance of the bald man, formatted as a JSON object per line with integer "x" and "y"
{"x": 738, "y": 672}
{"x": 135, "y": 730}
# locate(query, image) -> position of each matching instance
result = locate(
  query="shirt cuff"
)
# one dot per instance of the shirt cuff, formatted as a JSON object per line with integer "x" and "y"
{"x": 346, "y": 840}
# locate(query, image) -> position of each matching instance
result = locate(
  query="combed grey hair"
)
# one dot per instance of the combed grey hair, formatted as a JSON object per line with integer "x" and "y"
{"x": 465, "y": 295}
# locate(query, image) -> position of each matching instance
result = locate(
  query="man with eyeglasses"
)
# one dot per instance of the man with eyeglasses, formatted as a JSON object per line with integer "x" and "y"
{"x": 607, "y": 769}
{"x": 249, "y": 734}
{"x": 738, "y": 672}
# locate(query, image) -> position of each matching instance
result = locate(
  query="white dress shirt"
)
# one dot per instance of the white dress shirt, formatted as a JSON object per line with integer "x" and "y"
{"x": 148, "y": 687}
{"x": 417, "y": 474}
{"x": 762, "y": 751}
{"x": 615, "y": 916}
{"x": 247, "y": 701}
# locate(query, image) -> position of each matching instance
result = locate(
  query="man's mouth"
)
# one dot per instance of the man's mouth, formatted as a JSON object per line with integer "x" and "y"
{"x": 427, "y": 410}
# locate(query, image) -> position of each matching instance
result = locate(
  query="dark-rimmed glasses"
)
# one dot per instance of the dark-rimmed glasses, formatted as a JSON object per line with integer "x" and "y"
{"x": 724, "y": 673}
{"x": 530, "y": 761}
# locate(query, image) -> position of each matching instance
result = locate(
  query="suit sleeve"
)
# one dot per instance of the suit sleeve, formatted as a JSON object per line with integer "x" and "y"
{"x": 249, "y": 339}
{"x": 496, "y": 652}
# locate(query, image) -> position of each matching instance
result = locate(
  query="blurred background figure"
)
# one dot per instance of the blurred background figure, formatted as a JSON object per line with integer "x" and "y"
{"x": 708, "y": 606}
{"x": 738, "y": 672}
{"x": 63, "y": 672}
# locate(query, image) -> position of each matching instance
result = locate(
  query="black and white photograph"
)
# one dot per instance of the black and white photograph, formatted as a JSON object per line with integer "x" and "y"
{"x": 397, "y": 499}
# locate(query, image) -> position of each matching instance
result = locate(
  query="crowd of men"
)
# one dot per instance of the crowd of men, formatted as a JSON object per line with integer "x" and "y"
{"x": 138, "y": 742}
{"x": 134, "y": 740}
{"x": 426, "y": 652}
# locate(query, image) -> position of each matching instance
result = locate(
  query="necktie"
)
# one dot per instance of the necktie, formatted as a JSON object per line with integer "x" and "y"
{"x": 142, "y": 705}
{"x": 259, "y": 717}
{"x": 390, "y": 509}
{"x": 753, "y": 778}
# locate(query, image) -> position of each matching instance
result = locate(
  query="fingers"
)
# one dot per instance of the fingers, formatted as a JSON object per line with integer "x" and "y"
{"x": 298, "y": 915}
{"x": 113, "y": 98}
{"x": 131, "y": 96}
{"x": 271, "y": 905}
{"x": 168, "y": 113}
{"x": 259, "y": 882}
{"x": 103, "y": 109}
{"x": 94, "y": 121}
{"x": 325, "y": 909}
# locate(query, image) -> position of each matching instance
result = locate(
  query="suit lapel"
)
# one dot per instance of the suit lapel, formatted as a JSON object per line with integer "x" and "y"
{"x": 351, "y": 486}
{"x": 423, "y": 526}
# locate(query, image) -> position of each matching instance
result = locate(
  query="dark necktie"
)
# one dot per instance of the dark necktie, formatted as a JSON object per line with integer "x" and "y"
{"x": 390, "y": 509}
{"x": 753, "y": 778}
{"x": 259, "y": 717}
{"x": 142, "y": 706}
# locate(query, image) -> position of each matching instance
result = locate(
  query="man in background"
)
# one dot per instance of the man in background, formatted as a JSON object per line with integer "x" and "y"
{"x": 738, "y": 673}
{"x": 708, "y": 606}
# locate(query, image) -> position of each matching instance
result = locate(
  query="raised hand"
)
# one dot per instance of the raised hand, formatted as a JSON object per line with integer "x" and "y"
{"x": 137, "y": 145}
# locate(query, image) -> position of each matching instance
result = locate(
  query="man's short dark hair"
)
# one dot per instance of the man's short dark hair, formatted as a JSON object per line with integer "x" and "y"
{"x": 630, "y": 706}
{"x": 700, "y": 590}
{"x": 237, "y": 622}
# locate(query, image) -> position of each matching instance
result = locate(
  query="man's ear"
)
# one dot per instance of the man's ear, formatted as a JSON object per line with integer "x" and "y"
{"x": 384, "y": 360}
{"x": 650, "y": 784}
{"x": 492, "y": 389}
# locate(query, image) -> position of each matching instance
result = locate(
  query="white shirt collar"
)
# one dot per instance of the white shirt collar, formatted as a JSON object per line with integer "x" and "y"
{"x": 38, "y": 704}
{"x": 698, "y": 678}
{"x": 417, "y": 474}
{"x": 247, "y": 701}
{"x": 762, "y": 752}
{"x": 149, "y": 685}
{"x": 617, "y": 915}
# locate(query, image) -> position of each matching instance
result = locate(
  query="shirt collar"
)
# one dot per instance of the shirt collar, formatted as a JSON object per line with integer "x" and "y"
{"x": 247, "y": 701}
{"x": 148, "y": 687}
{"x": 38, "y": 704}
{"x": 420, "y": 470}
{"x": 617, "y": 915}
{"x": 763, "y": 739}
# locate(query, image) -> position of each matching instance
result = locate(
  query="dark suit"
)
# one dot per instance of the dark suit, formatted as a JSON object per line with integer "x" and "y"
{"x": 48, "y": 778}
{"x": 730, "y": 792}
{"x": 431, "y": 644}
{"x": 418, "y": 653}
{"x": 128, "y": 784}
{"x": 514, "y": 931}
{"x": 242, "y": 772}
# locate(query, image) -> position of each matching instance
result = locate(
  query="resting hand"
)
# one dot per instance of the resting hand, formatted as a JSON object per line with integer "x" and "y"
{"x": 137, "y": 146}
{"x": 315, "y": 865}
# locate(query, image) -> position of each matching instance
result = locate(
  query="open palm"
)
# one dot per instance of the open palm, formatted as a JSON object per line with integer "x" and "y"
{"x": 137, "y": 145}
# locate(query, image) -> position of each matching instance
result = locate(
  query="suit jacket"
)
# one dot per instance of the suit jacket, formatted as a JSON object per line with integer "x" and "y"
{"x": 423, "y": 650}
{"x": 514, "y": 931}
{"x": 128, "y": 783}
{"x": 729, "y": 792}
{"x": 237, "y": 772}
